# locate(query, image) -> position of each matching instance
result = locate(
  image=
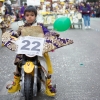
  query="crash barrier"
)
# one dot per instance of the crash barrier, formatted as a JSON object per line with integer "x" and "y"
{"x": 48, "y": 20}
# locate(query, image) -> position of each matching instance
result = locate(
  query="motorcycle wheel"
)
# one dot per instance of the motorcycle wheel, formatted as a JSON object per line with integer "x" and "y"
{"x": 28, "y": 86}
{"x": 38, "y": 84}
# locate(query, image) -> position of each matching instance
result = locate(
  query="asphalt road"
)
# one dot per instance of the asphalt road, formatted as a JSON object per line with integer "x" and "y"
{"x": 76, "y": 67}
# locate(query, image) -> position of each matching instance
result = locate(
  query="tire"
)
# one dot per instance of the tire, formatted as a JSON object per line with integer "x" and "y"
{"x": 28, "y": 86}
{"x": 38, "y": 84}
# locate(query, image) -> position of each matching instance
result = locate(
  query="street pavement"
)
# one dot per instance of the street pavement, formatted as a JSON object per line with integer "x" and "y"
{"x": 76, "y": 66}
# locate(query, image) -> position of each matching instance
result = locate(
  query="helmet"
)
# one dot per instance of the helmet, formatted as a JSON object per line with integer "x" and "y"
{"x": 2, "y": 0}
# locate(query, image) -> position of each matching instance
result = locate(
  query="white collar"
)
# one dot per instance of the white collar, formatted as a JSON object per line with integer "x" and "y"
{"x": 34, "y": 24}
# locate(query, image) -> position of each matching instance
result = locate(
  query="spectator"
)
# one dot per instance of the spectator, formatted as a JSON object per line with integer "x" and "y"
{"x": 92, "y": 12}
{"x": 97, "y": 11}
{"x": 22, "y": 11}
{"x": 16, "y": 10}
{"x": 85, "y": 10}
{"x": 8, "y": 8}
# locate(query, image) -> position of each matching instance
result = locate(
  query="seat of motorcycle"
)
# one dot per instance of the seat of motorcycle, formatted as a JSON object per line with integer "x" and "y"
{"x": 35, "y": 31}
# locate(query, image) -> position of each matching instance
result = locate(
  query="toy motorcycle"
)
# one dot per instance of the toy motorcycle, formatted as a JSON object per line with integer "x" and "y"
{"x": 32, "y": 71}
{"x": 31, "y": 47}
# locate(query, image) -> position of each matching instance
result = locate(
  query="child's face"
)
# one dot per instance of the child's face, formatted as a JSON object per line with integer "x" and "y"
{"x": 30, "y": 17}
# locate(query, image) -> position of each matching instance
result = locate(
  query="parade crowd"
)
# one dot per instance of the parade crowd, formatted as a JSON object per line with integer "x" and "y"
{"x": 59, "y": 7}
{"x": 74, "y": 11}
{"x": 95, "y": 8}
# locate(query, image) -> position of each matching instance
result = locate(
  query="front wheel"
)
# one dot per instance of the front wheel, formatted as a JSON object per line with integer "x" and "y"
{"x": 38, "y": 84}
{"x": 28, "y": 86}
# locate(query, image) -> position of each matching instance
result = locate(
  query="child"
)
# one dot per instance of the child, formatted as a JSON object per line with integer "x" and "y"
{"x": 30, "y": 16}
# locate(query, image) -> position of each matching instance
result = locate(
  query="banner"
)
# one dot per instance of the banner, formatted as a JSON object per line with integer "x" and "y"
{"x": 33, "y": 2}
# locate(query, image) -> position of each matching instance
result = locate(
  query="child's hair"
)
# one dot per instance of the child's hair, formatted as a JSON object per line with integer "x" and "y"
{"x": 31, "y": 9}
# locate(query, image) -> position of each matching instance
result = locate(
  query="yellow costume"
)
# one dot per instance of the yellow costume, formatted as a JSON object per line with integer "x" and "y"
{"x": 48, "y": 62}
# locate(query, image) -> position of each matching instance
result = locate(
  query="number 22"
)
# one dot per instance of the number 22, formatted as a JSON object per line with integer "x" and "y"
{"x": 25, "y": 47}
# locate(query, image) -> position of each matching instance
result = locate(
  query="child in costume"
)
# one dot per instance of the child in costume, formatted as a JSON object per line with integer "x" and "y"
{"x": 51, "y": 38}
{"x": 30, "y": 16}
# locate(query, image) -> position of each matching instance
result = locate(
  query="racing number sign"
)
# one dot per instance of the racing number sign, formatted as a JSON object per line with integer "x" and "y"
{"x": 30, "y": 45}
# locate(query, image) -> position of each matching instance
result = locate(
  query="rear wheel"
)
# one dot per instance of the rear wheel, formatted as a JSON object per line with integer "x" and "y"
{"x": 28, "y": 86}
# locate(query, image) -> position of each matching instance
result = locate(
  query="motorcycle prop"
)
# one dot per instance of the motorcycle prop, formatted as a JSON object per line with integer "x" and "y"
{"x": 32, "y": 72}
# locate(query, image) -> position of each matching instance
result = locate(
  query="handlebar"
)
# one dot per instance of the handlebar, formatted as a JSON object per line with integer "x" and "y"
{"x": 14, "y": 38}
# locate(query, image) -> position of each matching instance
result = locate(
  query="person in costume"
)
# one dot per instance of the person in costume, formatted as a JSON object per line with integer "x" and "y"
{"x": 4, "y": 20}
{"x": 22, "y": 11}
{"x": 51, "y": 38}
{"x": 30, "y": 16}
{"x": 2, "y": 15}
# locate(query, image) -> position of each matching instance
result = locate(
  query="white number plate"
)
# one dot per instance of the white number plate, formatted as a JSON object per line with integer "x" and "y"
{"x": 30, "y": 45}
